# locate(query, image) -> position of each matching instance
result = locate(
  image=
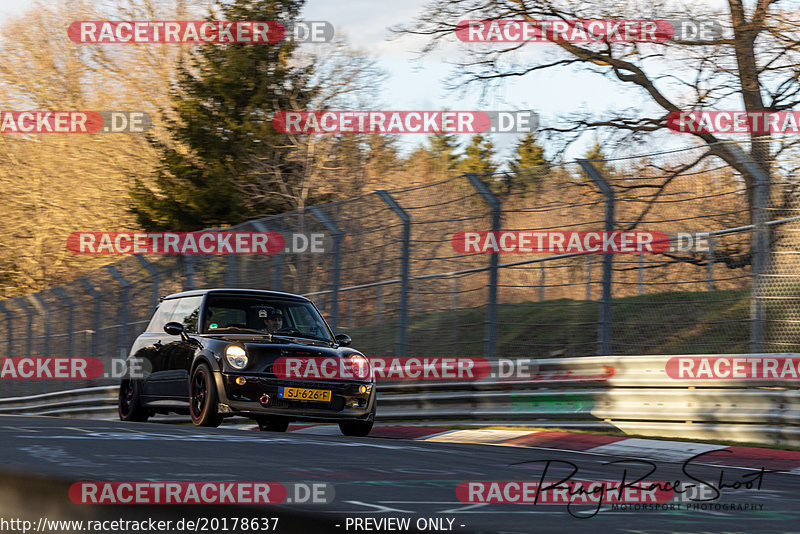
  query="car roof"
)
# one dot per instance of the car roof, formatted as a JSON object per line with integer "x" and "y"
{"x": 231, "y": 291}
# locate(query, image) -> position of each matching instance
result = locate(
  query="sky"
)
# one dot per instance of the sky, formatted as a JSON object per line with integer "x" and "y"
{"x": 416, "y": 83}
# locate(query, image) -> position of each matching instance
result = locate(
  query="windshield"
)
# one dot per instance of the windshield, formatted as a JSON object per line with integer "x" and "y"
{"x": 242, "y": 314}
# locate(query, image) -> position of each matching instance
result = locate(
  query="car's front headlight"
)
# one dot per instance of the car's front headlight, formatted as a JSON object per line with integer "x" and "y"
{"x": 236, "y": 356}
{"x": 359, "y": 365}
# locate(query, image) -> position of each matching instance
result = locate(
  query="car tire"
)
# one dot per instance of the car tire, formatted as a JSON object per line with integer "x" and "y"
{"x": 203, "y": 398}
{"x": 271, "y": 424}
{"x": 129, "y": 403}
{"x": 359, "y": 429}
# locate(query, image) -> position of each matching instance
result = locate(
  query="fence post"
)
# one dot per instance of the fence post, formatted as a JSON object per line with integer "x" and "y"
{"x": 154, "y": 296}
{"x": 401, "y": 345}
{"x": 97, "y": 301}
{"x": 604, "y": 328}
{"x": 588, "y": 277}
{"x": 542, "y": 281}
{"x": 277, "y": 260}
{"x": 641, "y": 273}
{"x": 349, "y": 309}
{"x": 230, "y": 270}
{"x": 337, "y": 261}
{"x": 710, "y": 255}
{"x": 60, "y": 293}
{"x": 416, "y": 296}
{"x": 277, "y": 278}
{"x": 188, "y": 272}
{"x": 760, "y": 246}
{"x": 379, "y": 305}
{"x": 29, "y": 343}
{"x": 124, "y": 345}
{"x": 9, "y": 342}
{"x": 760, "y": 260}
{"x": 9, "y": 330}
{"x": 29, "y": 312}
{"x": 494, "y": 258}
{"x": 42, "y": 309}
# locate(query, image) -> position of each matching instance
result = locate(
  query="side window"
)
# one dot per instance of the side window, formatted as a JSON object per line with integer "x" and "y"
{"x": 302, "y": 318}
{"x": 224, "y": 317}
{"x": 161, "y": 316}
{"x": 186, "y": 313}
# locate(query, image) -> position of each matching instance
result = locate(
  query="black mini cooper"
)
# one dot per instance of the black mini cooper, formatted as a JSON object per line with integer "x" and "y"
{"x": 264, "y": 355}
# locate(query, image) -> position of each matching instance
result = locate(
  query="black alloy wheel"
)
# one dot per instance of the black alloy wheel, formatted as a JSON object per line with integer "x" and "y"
{"x": 129, "y": 404}
{"x": 203, "y": 398}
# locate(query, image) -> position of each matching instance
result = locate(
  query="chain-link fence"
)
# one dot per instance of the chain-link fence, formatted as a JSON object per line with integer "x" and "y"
{"x": 393, "y": 280}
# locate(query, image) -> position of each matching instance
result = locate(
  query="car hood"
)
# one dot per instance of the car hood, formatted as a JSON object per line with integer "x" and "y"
{"x": 277, "y": 350}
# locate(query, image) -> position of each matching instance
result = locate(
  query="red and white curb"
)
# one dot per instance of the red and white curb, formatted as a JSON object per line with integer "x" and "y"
{"x": 653, "y": 449}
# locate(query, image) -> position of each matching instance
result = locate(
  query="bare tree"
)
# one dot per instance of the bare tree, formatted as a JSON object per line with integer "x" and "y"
{"x": 754, "y": 63}
{"x": 56, "y": 184}
{"x": 332, "y": 166}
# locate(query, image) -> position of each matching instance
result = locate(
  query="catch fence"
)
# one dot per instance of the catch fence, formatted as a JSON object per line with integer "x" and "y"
{"x": 391, "y": 278}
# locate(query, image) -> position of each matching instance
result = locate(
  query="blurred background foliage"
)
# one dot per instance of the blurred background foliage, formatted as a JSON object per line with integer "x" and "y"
{"x": 212, "y": 157}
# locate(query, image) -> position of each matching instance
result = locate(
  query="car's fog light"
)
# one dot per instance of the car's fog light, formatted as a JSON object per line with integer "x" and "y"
{"x": 362, "y": 389}
{"x": 241, "y": 380}
{"x": 264, "y": 400}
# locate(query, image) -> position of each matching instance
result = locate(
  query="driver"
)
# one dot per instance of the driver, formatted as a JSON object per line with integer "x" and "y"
{"x": 274, "y": 320}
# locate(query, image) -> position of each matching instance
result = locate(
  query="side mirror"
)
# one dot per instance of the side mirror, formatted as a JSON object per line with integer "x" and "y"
{"x": 343, "y": 339}
{"x": 174, "y": 328}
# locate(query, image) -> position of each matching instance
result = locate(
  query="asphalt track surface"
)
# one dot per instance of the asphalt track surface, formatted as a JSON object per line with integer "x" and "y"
{"x": 373, "y": 478}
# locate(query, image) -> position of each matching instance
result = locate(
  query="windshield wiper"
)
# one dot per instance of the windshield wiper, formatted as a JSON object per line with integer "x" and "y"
{"x": 240, "y": 329}
{"x": 309, "y": 336}
{"x": 301, "y": 335}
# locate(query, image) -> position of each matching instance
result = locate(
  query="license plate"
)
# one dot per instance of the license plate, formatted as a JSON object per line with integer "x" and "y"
{"x": 319, "y": 395}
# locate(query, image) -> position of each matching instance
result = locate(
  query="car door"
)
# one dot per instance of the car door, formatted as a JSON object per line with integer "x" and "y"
{"x": 175, "y": 354}
{"x": 147, "y": 349}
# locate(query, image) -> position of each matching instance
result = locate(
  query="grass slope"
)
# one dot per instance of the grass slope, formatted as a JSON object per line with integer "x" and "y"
{"x": 664, "y": 323}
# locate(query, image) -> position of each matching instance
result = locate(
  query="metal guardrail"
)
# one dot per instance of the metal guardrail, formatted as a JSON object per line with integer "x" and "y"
{"x": 100, "y": 402}
{"x": 628, "y": 393}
